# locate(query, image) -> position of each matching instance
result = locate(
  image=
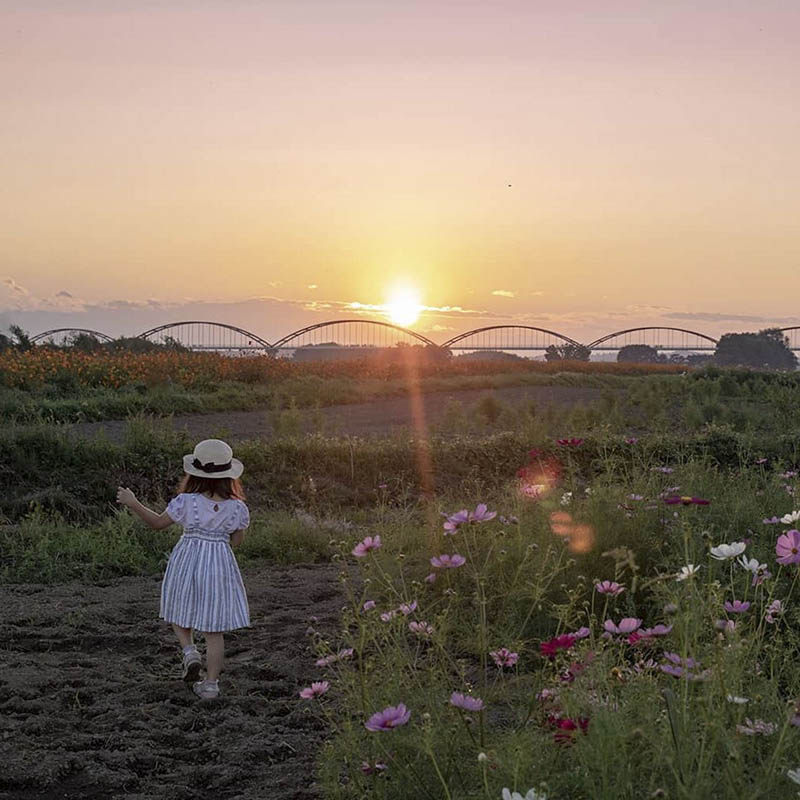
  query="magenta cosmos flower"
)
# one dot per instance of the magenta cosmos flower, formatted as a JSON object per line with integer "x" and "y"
{"x": 572, "y": 442}
{"x": 315, "y": 690}
{"x": 391, "y": 717}
{"x": 504, "y": 657}
{"x": 788, "y": 548}
{"x": 465, "y": 702}
{"x": 686, "y": 501}
{"x": 563, "y": 642}
{"x": 448, "y": 562}
{"x": 367, "y": 545}
{"x": 626, "y": 625}
{"x": 609, "y": 587}
{"x": 481, "y": 514}
{"x": 737, "y": 606}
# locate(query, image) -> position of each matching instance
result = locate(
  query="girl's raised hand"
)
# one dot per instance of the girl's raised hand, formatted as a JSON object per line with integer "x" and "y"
{"x": 125, "y": 496}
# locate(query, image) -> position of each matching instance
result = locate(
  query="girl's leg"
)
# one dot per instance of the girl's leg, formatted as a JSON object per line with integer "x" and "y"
{"x": 184, "y": 635}
{"x": 215, "y": 653}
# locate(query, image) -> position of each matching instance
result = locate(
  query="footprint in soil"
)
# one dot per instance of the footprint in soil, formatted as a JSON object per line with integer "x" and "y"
{"x": 100, "y": 713}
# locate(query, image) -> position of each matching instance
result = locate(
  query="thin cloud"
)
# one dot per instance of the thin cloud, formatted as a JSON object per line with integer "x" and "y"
{"x": 503, "y": 293}
{"x": 708, "y": 316}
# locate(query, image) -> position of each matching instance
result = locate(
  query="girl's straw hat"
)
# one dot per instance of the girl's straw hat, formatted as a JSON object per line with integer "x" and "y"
{"x": 212, "y": 458}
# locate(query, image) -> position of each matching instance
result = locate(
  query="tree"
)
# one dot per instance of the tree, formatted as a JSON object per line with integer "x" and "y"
{"x": 85, "y": 343}
{"x": 21, "y": 339}
{"x": 767, "y": 349}
{"x": 639, "y": 354}
{"x": 567, "y": 352}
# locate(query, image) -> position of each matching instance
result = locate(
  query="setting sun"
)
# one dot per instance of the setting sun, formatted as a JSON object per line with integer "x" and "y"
{"x": 403, "y": 306}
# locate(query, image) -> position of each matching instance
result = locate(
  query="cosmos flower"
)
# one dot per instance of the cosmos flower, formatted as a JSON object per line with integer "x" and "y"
{"x": 391, "y": 717}
{"x": 750, "y": 564}
{"x": 466, "y": 702}
{"x": 771, "y": 520}
{"x": 792, "y": 516}
{"x": 724, "y": 551}
{"x": 684, "y": 668}
{"x": 504, "y": 657}
{"x": 686, "y": 501}
{"x": 609, "y": 587}
{"x": 316, "y": 689}
{"x": 371, "y": 769}
{"x": 368, "y": 606}
{"x": 332, "y": 659}
{"x": 551, "y": 647}
{"x": 480, "y": 514}
{"x": 572, "y": 442}
{"x": 774, "y": 611}
{"x": 448, "y": 562}
{"x": 408, "y": 608}
{"x": 737, "y": 606}
{"x": 626, "y": 625}
{"x": 422, "y": 628}
{"x": 656, "y": 630}
{"x": 687, "y": 572}
{"x": 366, "y": 546}
{"x": 753, "y": 727}
{"x": 787, "y": 548}
{"x": 736, "y": 700}
{"x": 531, "y": 794}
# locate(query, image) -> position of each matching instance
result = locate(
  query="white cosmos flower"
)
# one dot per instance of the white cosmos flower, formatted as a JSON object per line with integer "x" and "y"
{"x": 723, "y": 551}
{"x": 740, "y": 701}
{"x": 750, "y": 564}
{"x": 531, "y": 795}
{"x": 686, "y": 572}
{"x": 792, "y": 516}
{"x": 794, "y": 775}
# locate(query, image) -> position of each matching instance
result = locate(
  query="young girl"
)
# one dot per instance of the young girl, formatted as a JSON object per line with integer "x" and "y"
{"x": 202, "y": 588}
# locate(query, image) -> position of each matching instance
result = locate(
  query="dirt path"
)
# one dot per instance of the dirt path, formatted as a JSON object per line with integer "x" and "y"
{"x": 358, "y": 419}
{"x": 92, "y": 704}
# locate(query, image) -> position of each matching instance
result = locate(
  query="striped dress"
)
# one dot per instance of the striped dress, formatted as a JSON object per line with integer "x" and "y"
{"x": 202, "y": 587}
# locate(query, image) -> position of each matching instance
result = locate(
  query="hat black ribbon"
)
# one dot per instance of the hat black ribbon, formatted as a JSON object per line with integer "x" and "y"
{"x": 211, "y": 466}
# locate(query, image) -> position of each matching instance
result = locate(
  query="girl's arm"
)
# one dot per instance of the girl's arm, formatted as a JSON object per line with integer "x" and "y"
{"x": 158, "y": 521}
{"x": 237, "y": 537}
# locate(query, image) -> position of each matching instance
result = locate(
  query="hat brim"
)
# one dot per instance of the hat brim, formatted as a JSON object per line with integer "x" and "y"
{"x": 237, "y": 468}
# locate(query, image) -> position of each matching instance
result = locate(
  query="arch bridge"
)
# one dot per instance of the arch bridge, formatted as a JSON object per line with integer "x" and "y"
{"x": 351, "y": 333}
{"x": 62, "y": 336}
{"x": 507, "y": 338}
{"x": 201, "y": 335}
{"x": 659, "y": 338}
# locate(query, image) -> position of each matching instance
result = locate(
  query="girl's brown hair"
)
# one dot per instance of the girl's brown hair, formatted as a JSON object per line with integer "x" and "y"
{"x": 221, "y": 487}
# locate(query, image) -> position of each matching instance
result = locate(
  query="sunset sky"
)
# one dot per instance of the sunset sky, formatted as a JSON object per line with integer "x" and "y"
{"x": 579, "y": 165}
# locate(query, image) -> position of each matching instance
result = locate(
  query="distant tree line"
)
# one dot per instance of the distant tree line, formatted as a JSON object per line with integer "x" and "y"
{"x": 87, "y": 343}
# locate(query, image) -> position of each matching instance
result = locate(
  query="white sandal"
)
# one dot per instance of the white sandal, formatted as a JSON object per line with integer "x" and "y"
{"x": 192, "y": 664}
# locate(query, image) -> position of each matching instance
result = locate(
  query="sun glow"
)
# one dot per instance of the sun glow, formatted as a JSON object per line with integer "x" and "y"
{"x": 403, "y": 306}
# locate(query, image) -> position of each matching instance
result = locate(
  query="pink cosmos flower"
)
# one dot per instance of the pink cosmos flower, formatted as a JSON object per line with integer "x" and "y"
{"x": 408, "y": 608}
{"x": 774, "y": 611}
{"x": 390, "y": 717}
{"x": 332, "y": 659}
{"x": 725, "y": 625}
{"x": 369, "y": 605}
{"x": 430, "y": 578}
{"x": 771, "y": 520}
{"x": 480, "y": 514}
{"x": 753, "y": 727}
{"x": 656, "y": 630}
{"x": 626, "y": 625}
{"x": 572, "y": 442}
{"x": 367, "y": 545}
{"x": 631, "y": 440}
{"x": 680, "y": 668}
{"x": 448, "y": 562}
{"x": 388, "y": 616}
{"x": 466, "y": 702}
{"x": 581, "y": 633}
{"x": 609, "y": 587}
{"x": 504, "y": 657}
{"x": 316, "y": 689}
{"x": 788, "y": 547}
{"x": 737, "y": 606}
{"x": 422, "y": 628}
{"x": 454, "y": 520}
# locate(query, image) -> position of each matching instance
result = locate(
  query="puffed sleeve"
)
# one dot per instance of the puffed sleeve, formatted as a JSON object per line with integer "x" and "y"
{"x": 176, "y": 509}
{"x": 242, "y": 516}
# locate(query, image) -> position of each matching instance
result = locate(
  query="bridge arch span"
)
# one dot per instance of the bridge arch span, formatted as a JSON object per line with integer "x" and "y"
{"x": 381, "y": 334}
{"x": 205, "y": 335}
{"x": 669, "y": 338}
{"x": 44, "y": 335}
{"x": 509, "y": 337}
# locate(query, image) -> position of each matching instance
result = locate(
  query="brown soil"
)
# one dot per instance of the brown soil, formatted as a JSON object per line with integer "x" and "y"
{"x": 93, "y": 705}
{"x": 358, "y": 419}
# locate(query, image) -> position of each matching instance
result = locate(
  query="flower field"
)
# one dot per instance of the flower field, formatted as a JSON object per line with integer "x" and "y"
{"x": 632, "y": 633}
